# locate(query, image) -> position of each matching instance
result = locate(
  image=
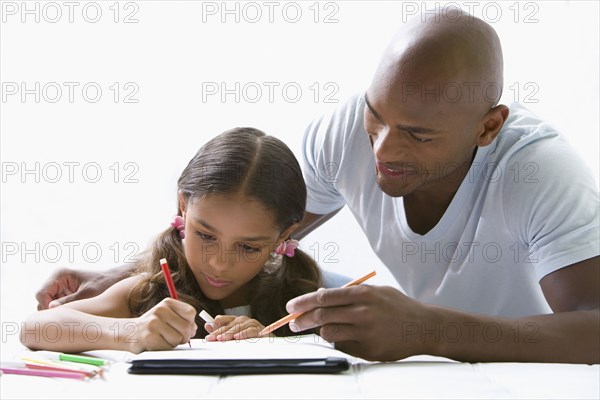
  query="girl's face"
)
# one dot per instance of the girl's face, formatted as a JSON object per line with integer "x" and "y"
{"x": 228, "y": 239}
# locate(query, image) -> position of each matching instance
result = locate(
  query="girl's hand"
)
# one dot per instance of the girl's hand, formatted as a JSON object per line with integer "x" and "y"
{"x": 230, "y": 327}
{"x": 164, "y": 326}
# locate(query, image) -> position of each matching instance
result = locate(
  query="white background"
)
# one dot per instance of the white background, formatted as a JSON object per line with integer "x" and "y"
{"x": 173, "y": 51}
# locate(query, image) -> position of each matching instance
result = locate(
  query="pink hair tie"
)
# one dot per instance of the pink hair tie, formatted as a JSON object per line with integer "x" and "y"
{"x": 179, "y": 224}
{"x": 287, "y": 247}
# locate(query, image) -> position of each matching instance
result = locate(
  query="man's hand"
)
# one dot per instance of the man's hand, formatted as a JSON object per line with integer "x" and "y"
{"x": 66, "y": 285}
{"x": 382, "y": 324}
{"x": 365, "y": 321}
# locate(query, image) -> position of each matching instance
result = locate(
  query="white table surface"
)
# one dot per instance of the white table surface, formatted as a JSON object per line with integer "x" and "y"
{"x": 415, "y": 377}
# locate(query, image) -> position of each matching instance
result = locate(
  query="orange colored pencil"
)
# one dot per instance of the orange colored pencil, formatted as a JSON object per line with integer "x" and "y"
{"x": 278, "y": 324}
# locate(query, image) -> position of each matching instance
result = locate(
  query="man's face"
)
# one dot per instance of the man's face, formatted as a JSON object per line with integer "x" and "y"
{"x": 420, "y": 140}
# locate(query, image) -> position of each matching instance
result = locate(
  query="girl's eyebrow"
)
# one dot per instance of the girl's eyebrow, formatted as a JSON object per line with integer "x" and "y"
{"x": 243, "y": 239}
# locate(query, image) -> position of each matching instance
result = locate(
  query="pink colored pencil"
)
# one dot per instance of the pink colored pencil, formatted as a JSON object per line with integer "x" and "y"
{"x": 43, "y": 372}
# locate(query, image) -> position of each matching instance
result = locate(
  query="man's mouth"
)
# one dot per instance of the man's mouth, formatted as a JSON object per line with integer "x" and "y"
{"x": 394, "y": 171}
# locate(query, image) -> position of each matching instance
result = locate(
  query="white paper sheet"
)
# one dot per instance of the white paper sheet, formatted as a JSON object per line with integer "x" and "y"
{"x": 307, "y": 346}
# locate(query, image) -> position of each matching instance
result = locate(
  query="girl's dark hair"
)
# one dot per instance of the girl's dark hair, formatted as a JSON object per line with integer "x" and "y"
{"x": 239, "y": 161}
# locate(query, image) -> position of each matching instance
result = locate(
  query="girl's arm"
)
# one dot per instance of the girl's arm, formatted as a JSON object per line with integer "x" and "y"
{"x": 104, "y": 322}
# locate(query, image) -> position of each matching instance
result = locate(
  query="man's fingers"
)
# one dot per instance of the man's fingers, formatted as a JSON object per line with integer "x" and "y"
{"x": 327, "y": 298}
{"x": 66, "y": 299}
{"x": 347, "y": 315}
{"x": 339, "y": 332}
{"x": 44, "y": 300}
{"x": 46, "y": 294}
{"x": 349, "y": 347}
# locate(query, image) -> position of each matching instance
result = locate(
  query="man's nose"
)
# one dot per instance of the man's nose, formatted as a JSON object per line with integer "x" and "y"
{"x": 389, "y": 146}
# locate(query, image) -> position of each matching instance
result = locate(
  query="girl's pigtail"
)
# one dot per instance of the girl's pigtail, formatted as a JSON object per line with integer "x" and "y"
{"x": 152, "y": 289}
{"x": 297, "y": 275}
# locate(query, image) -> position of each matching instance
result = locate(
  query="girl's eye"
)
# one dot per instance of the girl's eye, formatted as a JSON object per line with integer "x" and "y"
{"x": 204, "y": 236}
{"x": 249, "y": 249}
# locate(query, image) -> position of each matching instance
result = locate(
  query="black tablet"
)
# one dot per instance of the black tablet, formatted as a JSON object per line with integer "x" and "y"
{"x": 326, "y": 365}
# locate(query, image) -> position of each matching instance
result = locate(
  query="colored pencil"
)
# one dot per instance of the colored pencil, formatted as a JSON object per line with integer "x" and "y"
{"x": 170, "y": 285}
{"x": 278, "y": 324}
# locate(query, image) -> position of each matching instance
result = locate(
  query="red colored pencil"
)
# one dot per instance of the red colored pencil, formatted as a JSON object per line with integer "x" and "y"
{"x": 168, "y": 279}
{"x": 170, "y": 284}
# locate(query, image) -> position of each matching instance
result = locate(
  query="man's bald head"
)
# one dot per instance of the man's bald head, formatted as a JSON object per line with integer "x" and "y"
{"x": 444, "y": 58}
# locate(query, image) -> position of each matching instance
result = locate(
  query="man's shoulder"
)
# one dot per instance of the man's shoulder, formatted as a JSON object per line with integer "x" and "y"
{"x": 336, "y": 131}
{"x": 525, "y": 126}
{"x": 527, "y": 137}
{"x": 531, "y": 159}
{"x": 344, "y": 118}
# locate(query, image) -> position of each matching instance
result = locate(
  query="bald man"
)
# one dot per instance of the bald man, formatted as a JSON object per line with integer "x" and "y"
{"x": 485, "y": 216}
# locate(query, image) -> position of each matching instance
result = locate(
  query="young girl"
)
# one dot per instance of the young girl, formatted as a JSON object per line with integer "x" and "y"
{"x": 229, "y": 252}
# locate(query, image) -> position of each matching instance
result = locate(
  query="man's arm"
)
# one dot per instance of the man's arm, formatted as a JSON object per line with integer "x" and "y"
{"x": 310, "y": 222}
{"x": 569, "y": 335}
{"x": 67, "y": 285}
{"x": 574, "y": 288}
{"x": 380, "y": 323}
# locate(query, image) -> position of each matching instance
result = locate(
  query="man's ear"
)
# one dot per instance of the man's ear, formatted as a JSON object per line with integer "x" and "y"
{"x": 286, "y": 234}
{"x": 182, "y": 203}
{"x": 492, "y": 123}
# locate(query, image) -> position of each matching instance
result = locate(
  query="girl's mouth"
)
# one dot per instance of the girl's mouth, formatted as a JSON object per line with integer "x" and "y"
{"x": 214, "y": 282}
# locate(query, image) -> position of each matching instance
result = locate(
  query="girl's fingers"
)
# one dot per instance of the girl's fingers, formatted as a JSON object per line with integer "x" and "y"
{"x": 238, "y": 325}
{"x": 250, "y": 332}
{"x": 171, "y": 335}
{"x": 223, "y": 326}
{"x": 223, "y": 320}
{"x": 243, "y": 330}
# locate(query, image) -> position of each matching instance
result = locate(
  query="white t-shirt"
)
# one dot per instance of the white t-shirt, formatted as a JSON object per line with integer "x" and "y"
{"x": 239, "y": 311}
{"x": 528, "y": 206}
{"x": 330, "y": 280}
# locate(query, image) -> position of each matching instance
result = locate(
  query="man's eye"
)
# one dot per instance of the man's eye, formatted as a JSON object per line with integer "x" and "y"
{"x": 418, "y": 139}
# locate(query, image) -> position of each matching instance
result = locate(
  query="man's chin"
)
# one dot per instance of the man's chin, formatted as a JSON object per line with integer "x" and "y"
{"x": 393, "y": 189}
